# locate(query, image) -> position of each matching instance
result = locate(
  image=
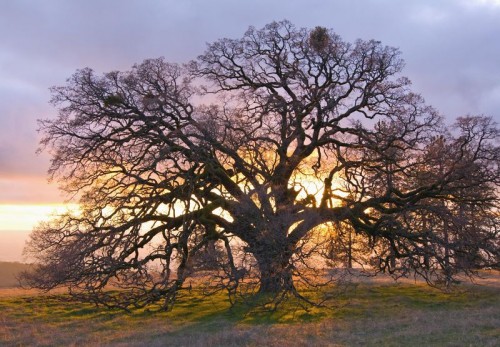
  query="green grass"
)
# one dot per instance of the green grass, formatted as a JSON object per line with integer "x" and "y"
{"x": 378, "y": 315}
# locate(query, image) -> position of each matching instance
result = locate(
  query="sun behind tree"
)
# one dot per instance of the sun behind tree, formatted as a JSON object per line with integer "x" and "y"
{"x": 220, "y": 184}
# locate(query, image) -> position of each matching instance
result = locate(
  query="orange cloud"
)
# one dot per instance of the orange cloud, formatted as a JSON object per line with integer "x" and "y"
{"x": 28, "y": 190}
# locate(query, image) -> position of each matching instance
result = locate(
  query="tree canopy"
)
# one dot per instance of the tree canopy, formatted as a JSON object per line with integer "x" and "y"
{"x": 256, "y": 163}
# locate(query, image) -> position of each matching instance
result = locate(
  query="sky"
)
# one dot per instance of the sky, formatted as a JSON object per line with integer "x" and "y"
{"x": 451, "y": 49}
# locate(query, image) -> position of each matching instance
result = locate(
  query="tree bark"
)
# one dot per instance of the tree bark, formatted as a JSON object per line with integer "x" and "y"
{"x": 349, "y": 251}
{"x": 275, "y": 271}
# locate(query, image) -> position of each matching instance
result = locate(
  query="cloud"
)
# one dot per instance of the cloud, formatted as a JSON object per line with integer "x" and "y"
{"x": 451, "y": 50}
{"x": 24, "y": 189}
{"x": 483, "y": 3}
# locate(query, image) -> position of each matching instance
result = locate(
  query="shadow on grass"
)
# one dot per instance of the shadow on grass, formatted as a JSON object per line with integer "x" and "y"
{"x": 197, "y": 315}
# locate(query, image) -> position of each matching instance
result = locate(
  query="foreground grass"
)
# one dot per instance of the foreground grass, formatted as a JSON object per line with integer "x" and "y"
{"x": 373, "y": 314}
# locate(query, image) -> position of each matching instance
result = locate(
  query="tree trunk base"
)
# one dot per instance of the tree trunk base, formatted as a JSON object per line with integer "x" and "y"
{"x": 276, "y": 284}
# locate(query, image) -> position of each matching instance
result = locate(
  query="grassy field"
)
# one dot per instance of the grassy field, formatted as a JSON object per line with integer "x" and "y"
{"x": 376, "y": 313}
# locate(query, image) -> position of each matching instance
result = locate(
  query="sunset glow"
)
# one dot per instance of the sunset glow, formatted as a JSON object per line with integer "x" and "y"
{"x": 26, "y": 216}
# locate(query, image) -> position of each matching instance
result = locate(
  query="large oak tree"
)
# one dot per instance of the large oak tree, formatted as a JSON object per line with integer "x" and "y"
{"x": 240, "y": 165}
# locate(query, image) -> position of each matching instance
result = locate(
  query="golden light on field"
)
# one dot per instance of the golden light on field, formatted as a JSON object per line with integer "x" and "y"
{"x": 26, "y": 216}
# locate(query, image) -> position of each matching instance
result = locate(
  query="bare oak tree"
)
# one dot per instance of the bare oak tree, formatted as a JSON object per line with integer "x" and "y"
{"x": 235, "y": 164}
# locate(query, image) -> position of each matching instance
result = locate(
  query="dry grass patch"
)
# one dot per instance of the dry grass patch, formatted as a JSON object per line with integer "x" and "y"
{"x": 378, "y": 314}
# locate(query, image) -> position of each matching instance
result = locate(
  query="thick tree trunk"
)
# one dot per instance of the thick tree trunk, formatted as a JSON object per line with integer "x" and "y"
{"x": 275, "y": 272}
{"x": 275, "y": 280}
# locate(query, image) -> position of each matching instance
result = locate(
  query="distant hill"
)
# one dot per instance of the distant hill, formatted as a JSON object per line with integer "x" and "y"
{"x": 9, "y": 271}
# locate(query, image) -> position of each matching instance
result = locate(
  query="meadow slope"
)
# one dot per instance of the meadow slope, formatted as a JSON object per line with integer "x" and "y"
{"x": 374, "y": 313}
